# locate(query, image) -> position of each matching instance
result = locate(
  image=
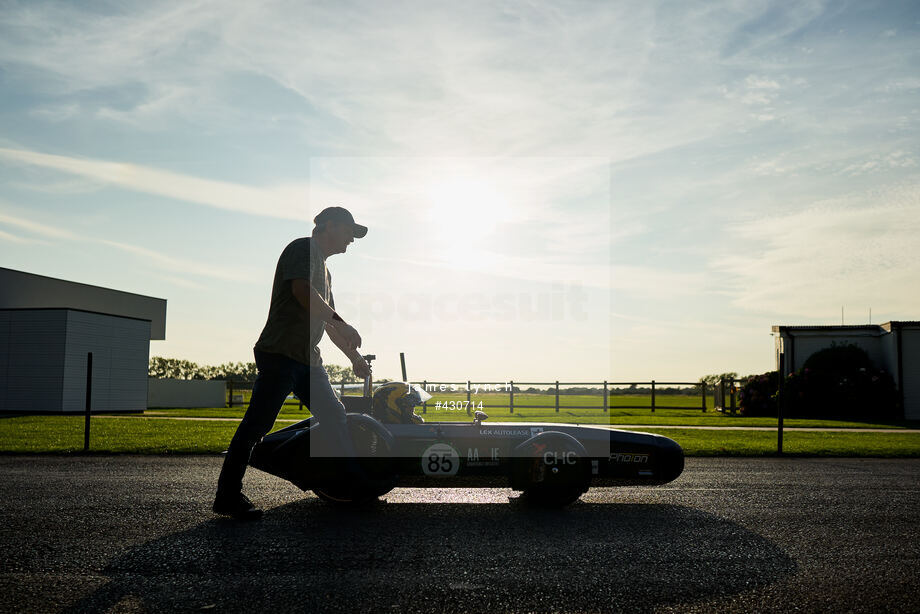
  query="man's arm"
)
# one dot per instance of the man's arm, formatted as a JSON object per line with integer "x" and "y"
{"x": 319, "y": 309}
{"x": 358, "y": 364}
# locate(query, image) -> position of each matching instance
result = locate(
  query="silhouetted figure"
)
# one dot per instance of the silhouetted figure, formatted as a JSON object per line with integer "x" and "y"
{"x": 287, "y": 356}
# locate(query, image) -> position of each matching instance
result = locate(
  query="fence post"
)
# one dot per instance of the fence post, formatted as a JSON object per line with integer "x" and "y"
{"x": 605, "y": 396}
{"x": 342, "y": 388}
{"x": 653, "y": 396}
{"x": 469, "y": 385}
{"x": 732, "y": 389}
{"x": 230, "y": 386}
{"x": 425, "y": 404}
{"x": 511, "y": 400}
{"x": 89, "y": 399}
{"x": 780, "y": 400}
{"x": 703, "y": 394}
{"x": 557, "y": 396}
{"x": 722, "y": 394}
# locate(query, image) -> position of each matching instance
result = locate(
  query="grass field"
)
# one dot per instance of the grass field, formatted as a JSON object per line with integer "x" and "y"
{"x": 500, "y": 401}
{"x": 145, "y": 435}
{"x": 763, "y": 443}
{"x": 496, "y": 406}
{"x": 61, "y": 434}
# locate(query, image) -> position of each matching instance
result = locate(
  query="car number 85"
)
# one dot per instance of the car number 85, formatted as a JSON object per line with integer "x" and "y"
{"x": 440, "y": 459}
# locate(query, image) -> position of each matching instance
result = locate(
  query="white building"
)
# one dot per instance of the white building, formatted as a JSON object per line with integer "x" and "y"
{"x": 47, "y": 328}
{"x": 892, "y": 346}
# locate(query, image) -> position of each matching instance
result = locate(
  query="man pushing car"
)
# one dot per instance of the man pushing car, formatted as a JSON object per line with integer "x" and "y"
{"x": 288, "y": 358}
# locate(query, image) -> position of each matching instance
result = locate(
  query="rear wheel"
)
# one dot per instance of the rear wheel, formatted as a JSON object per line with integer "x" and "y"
{"x": 543, "y": 496}
{"x": 374, "y": 447}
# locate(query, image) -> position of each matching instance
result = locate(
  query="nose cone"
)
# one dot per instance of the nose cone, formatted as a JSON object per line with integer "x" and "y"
{"x": 670, "y": 460}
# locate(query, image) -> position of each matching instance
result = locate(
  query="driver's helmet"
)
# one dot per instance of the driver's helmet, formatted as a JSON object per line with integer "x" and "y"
{"x": 394, "y": 403}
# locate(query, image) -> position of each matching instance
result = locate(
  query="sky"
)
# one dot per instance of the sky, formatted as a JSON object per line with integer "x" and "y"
{"x": 574, "y": 191}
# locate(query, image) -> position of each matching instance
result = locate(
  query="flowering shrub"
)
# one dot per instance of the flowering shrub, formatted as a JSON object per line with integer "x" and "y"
{"x": 758, "y": 395}
{"x": 840, "y": 382}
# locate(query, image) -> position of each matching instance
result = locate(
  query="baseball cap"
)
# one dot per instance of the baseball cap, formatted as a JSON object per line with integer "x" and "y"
{"x": 342, "y": 215}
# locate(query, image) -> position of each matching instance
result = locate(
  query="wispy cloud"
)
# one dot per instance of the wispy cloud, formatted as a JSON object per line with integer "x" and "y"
{"x": 55, "y": 113}
{"x": 37, "y": 228}
{"x": 154, "y": 258}
{"x": 6, "y": 236}
{"x": 833, "y": 253}
{"x": 286, "y": 202}
{"x": 532, "y": 78}
{"x": 560, "y": 77}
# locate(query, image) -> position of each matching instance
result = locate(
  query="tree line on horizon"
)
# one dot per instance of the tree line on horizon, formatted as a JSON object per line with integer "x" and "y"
{"x": 245, "y": 372}
{"x": 177, "y": 368}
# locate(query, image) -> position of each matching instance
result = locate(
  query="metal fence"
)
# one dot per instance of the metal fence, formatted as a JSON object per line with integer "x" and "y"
{"x": 724, "y": 394}
{"x": 607, "y": 390}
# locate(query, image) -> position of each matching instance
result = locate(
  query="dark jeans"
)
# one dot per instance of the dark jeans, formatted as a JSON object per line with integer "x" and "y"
{"x": 279, "y": 376}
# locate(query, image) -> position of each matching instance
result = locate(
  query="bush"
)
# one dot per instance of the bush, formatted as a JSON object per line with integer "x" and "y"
{"x": 841, "y": 382}
{"x": 758, "y": 395}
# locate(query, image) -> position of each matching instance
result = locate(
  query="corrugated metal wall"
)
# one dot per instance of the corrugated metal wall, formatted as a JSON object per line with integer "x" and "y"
{"x": 120, "y": 348}
{"x": 43, "y": 361}
{"x": 32, "y": 359}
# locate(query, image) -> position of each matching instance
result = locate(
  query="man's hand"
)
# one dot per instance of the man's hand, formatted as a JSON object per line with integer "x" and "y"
{"x": 348, "y": 334}
{"x": 360, "y": 367}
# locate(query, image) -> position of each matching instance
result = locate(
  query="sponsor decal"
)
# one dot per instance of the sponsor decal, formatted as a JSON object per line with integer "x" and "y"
{"x": 559, "y": 458}
{"x": 472, "y": 455}
{"x": 483, "y": 463}
{"x": 624, "y": 457}
{"x": 535, "y": 430}
{"x": 441, "y": 460}
{"x": 504, "y": 433}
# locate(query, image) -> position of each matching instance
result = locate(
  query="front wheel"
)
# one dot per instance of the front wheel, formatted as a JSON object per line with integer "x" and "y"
{"x": 374, "y": 448}
{"x": 345, "y": 494}
{"x": 552, "y": 468}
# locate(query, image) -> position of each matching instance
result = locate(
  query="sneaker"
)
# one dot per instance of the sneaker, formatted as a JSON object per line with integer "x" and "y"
{"x": 239, "y": 507}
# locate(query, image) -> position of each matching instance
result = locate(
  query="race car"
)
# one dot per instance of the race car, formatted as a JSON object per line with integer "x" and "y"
{"x": 553, "y": 464}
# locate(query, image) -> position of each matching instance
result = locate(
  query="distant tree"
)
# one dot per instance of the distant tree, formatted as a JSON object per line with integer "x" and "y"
{"x": 341, "y": 374}
{"x": 175, "y": 368}
{"x": 157, "y": 367}
{"x": 714, "y": 379}
{"x": 235, "y": 371}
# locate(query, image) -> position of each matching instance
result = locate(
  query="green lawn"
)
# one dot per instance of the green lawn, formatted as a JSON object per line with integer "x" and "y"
{"x": 114, "y": 434}
{"x": 500, "y": 401}
{"x": 495, "y": 405}
{"x": 763, "y": 443}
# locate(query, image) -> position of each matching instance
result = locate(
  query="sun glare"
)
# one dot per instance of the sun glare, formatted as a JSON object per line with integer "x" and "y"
{"x": 464, "y": 214}
{"x": 466, "y": 211}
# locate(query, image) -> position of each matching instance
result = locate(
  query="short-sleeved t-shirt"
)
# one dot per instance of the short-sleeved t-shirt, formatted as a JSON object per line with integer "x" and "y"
{"x": 289, "y": 329}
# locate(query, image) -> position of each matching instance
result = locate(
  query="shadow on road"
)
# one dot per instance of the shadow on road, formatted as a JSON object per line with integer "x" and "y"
{"x": 398, "y": 557}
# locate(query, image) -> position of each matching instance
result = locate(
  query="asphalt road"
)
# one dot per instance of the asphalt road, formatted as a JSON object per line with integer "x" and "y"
{"x": 135, "y": 534}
